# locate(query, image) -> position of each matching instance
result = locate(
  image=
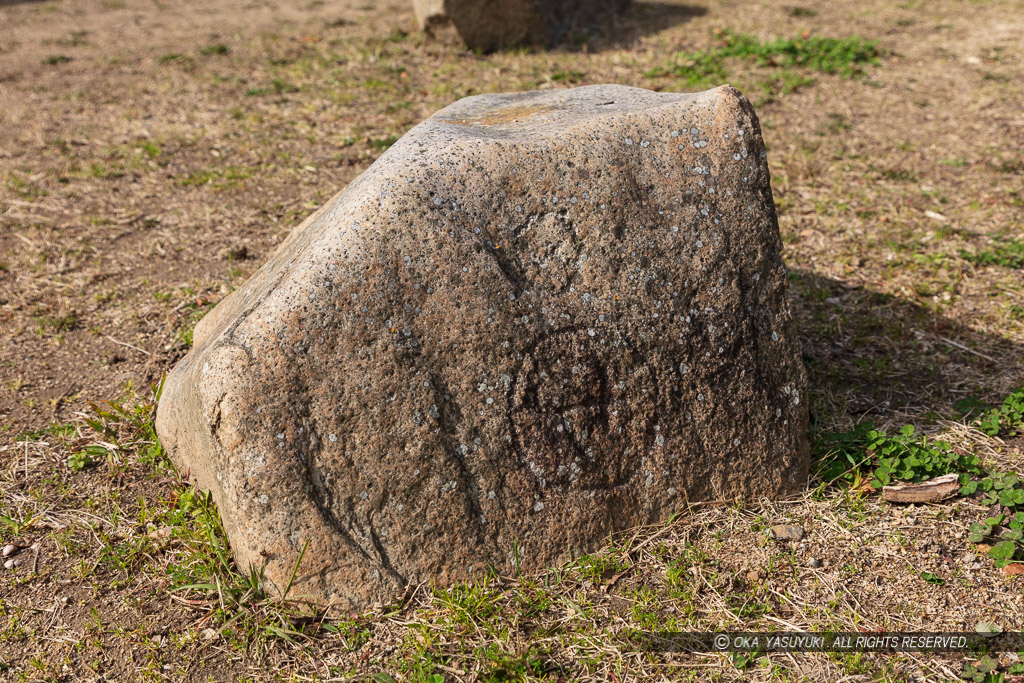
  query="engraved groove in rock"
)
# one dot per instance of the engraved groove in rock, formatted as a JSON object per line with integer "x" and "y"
{"x": 582, "y": 409}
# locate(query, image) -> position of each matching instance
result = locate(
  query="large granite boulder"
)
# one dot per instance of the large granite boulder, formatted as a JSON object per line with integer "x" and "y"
{"x": 536, "y": 320}
{"x": 493, "y": 24}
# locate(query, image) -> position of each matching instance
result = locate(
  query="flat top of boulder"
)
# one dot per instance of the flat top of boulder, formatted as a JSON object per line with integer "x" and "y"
{"x": 547, "y": 113}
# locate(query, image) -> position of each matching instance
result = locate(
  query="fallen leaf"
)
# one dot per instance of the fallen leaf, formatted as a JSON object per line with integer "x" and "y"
{"x": 988, "y": 628}
{"x": 1013, "y": 569}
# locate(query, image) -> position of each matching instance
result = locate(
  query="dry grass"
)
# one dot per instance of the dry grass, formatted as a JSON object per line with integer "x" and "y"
{"x": 152, "y": 155}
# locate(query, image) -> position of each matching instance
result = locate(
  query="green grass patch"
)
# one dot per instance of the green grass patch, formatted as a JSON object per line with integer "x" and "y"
{"x": 62, "y": 322}
{"x": 567, "y": 76}
{"x": 278, "y": 86}
{"x": 23, "y": 188}
{"x": 601, "y": 567}
{"x": 1006, "y": 253}
{"x": 151, "y": 149}
{"x": 381, "y": 144}
{"x": 218, "y": 49}
{"x": 784, "y": 82}
{"x": 228, "y": 177}
{"x": 195, "y": 313}
{"x": 844, "y": 56}
{"x": 186, "y": 526}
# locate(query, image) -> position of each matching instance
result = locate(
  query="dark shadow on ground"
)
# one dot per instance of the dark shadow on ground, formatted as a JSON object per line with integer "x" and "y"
{"x": 872, "y": 356}
{"x": 8, "y": 3}
{"x": 639, "y": 20}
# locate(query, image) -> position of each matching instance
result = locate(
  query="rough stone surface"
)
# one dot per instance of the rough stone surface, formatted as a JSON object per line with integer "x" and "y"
{"x": 537, "y": 319}
{"x": 489, "y": 25}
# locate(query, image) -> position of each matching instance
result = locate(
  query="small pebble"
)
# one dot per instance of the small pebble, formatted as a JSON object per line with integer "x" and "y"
{"x": 11, "y": 564}
{"x": 10, "y": 549}
{"x": 814, "y": 562}
{"x": 787, "y": 532}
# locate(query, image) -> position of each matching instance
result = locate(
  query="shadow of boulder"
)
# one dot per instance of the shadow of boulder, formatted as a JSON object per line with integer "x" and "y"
{"x": 638, "y": 20}
{"x": 873, "y": 356}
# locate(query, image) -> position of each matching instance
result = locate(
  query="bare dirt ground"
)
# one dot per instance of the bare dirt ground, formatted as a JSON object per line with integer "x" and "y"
{"x": 153, "y": 153}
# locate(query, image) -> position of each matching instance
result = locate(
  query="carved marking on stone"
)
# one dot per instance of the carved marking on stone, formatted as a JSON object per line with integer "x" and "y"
{"x": 582, "y": 409}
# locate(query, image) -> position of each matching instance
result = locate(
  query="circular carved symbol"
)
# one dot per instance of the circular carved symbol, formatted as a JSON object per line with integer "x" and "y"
{"x": 582, "y": 409}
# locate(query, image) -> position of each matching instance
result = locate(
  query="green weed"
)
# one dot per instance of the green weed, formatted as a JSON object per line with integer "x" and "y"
{"x": 864, "y": 453}
{"x": 79, "y": 460}
{"x": 1005, "y": 419}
